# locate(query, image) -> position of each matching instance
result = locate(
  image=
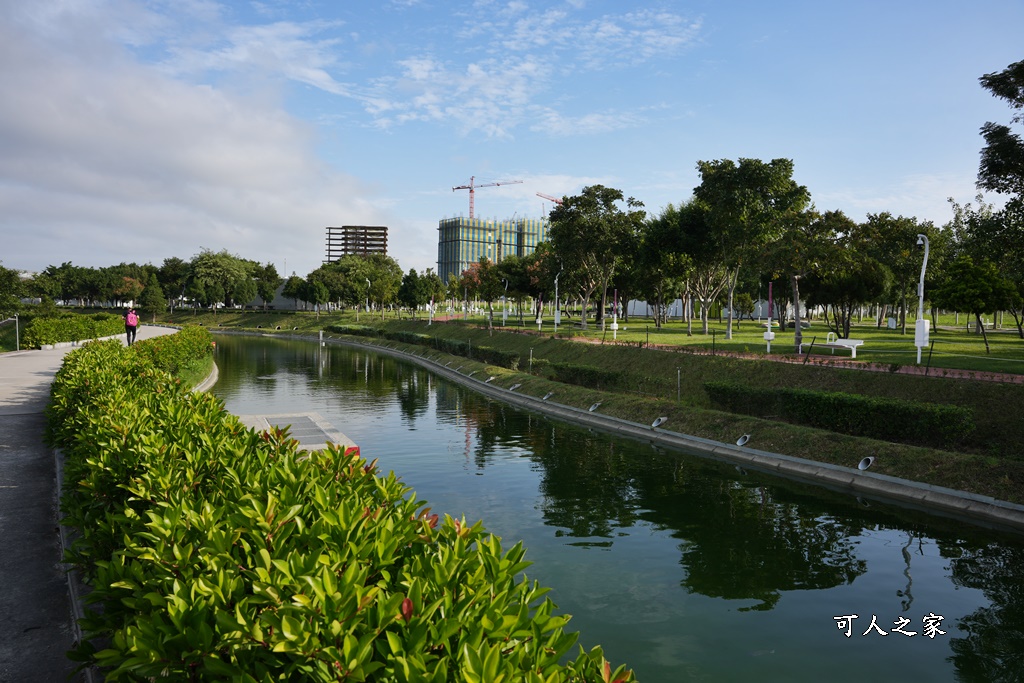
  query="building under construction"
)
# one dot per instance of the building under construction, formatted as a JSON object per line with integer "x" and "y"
{"x": 361, "y": 240}
{"x": 464, "y": 241}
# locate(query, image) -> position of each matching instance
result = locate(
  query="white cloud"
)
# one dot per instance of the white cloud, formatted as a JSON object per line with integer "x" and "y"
{"x": 110, "y": 161}
{"x": 922, "y": 196}
{"x": 286, "y": 49}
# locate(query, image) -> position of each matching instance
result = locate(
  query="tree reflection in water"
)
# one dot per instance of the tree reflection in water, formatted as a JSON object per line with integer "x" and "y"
{"x": 992, "y": 651}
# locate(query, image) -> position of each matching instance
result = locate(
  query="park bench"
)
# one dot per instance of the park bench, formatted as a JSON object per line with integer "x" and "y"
{"x": 832, "y": 342}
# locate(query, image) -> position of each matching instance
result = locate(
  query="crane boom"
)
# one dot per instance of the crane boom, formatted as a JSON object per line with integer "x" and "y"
{"x": 472, "y": 189}
{"x": 548, "y": 197}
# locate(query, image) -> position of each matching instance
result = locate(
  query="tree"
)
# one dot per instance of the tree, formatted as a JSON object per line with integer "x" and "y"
{"x": 11, "y": 289}
{"x": 267, "y": 282}
{"x": 385, "y": 278}
{"x": 412, "y": 293}
{"x": 660, "y": 268}
{"x": 851, "y": 279}
{"x": 172, "y": 276}
{"x": 1002, "y": 159}
{"x": 976, "y": 288}
{"x": 749, "y": 205}
{"x": 892, "y": 241}
{"x": 490, "y": 286}
{"x": 589, "y": 233}
{"x": 128, "y": 289}
{"x": 225, "y": 273}
{"x": 807, "y": 244}
{"x": 152, "y": 301}
{"x": 433, "y": 286}
{"x": 294, "y": 289}
{"x": 513, "y": 270}
{"x": 983, "y": 233}
{"x": 696, "y": 239}
{"x": 316, "y": 293}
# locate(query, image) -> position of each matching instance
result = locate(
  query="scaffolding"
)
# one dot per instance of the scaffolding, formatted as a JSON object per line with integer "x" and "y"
{"x": 360, "y": 240}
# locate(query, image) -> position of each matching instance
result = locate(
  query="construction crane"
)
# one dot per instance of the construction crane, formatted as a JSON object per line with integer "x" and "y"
{"x": 548, "y": 197}
{"x": 472, "y": 188}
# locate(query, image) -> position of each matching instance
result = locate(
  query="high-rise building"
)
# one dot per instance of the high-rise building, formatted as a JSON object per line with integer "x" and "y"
{"x": 464, "y": 241}
{"x": 356, "y": 239}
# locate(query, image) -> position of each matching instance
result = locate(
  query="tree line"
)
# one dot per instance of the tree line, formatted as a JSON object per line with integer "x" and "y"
{"x": 747, "y": 228}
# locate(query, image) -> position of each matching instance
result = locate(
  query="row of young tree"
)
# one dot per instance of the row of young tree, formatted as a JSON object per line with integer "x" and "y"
{"x": 209, "y": 279}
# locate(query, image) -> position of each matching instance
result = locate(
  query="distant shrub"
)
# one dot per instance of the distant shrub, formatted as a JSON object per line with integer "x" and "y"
{"x": 870, "y": 416}
{"x": 70, "y": 327}
{"x": 585, "y": 375}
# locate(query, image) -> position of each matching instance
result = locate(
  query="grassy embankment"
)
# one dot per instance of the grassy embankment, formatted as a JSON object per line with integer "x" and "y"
{"x": 656, "y": 382}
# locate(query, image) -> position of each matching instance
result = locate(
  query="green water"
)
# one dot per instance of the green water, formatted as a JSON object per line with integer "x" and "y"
{"x": 685, "y": 569}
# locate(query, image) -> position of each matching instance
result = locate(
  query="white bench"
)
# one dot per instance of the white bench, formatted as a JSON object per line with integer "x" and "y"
{"x": 831, "y": 342}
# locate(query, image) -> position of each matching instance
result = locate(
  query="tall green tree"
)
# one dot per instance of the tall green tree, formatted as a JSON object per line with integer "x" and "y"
{"x": 294, "y": 289}
{"x": 11, "y": 289}
{"x": 749, "y": 204}
{"x": 1002, "y": 158}
{"x": 589, "y": 233}
{"x": 152, "y": 301}
{"x": 172, "y": 276}
{"x": 267, "y": 282}
{"x": 807, "y": 245}
{"x": 385, "y": 278}
{"x": 977, "y": 288}
{"x": 225, "y": 273}
{"x": 316, "y": 293}
{"x": 412, "y": 293}
{"x": 661, "y": 270}
{"x": 892, "y": 240}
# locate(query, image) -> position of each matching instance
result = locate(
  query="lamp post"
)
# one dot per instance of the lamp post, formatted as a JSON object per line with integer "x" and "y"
{"x": 921, "y": 327}
{"x": 504, "y": 303}
{"x": 558, "y": 305}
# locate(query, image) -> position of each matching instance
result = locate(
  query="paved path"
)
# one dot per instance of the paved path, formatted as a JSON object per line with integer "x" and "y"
{"x": 36, "y": 627}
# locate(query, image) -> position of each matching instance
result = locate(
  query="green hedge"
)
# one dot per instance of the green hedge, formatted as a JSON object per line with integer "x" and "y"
{"x": 71, "y": 328}
{"x": 585, "y": 375}
{"x": 871, "y": 416}
{"x": 218, "y": 553}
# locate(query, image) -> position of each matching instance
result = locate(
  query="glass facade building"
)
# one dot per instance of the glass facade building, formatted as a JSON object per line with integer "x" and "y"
{"x": 463, "y": 241}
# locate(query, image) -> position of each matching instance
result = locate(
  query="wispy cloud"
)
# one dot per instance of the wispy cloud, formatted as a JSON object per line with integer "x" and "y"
{"x": 282, "y": 49}
{"x": 115, "y": 161}
{"x": 506, "y": 80}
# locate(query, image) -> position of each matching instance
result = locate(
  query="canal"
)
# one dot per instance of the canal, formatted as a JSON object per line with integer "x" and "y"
{"x": 683, "y": 568}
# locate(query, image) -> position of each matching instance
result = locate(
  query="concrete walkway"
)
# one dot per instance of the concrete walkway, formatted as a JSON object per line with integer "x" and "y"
{"x": 36, "y": 626}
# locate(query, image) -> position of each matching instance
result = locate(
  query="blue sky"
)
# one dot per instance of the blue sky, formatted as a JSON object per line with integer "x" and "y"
{"x": 136, "y": 130}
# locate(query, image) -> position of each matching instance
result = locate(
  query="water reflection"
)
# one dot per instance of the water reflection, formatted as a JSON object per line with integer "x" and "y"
{"x": 989, "y": 647}
{"x": 685, "y": 568}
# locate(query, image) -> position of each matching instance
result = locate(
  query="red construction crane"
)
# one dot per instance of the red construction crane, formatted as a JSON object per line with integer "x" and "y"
{"x": 472, "y": 187}
{"x": 548, "y": 197}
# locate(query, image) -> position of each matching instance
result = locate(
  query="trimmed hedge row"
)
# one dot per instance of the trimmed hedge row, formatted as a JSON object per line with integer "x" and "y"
{"x": 486, "y": 354}
{"x": 585, "y": 375}
{"x": 870, "y": 416}
{"x": 71, "y": 328}
{"x": 219, "y": 553}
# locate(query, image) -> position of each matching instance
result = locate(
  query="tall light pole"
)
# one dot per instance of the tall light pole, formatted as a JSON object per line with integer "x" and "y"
{"x": 921, "y": 327}
{"x": 504, "y": 303}
{"x": 558, "y": 306}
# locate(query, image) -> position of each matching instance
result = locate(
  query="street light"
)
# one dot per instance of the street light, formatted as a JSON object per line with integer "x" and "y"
{"x": 558, "y": 306}
{"x": 921, "y": 327}
{"x": 504, "y": 303}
